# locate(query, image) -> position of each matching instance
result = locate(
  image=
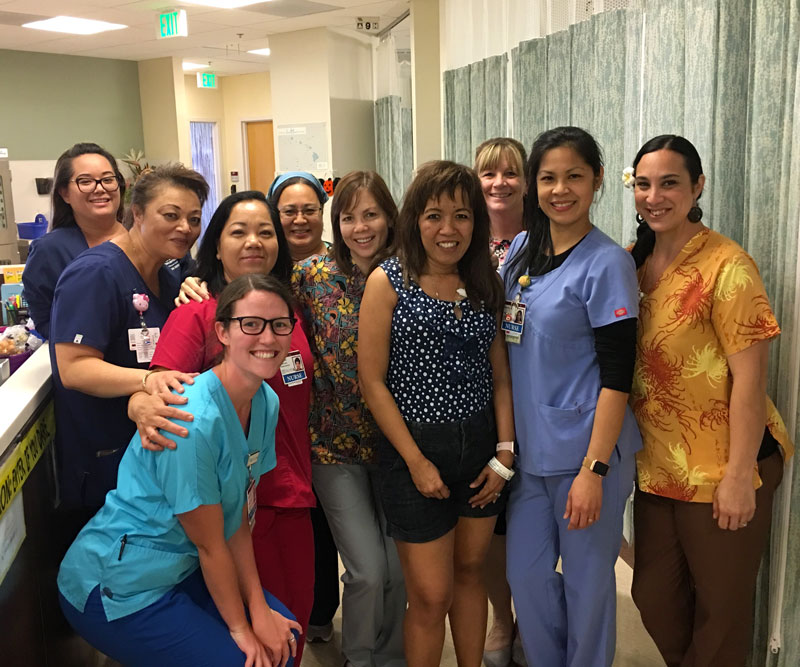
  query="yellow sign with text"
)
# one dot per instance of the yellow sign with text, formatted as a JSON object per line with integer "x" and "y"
{"x": 26, "y": 454}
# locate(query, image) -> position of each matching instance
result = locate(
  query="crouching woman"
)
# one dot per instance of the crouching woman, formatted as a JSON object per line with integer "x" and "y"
{"x": 164, "y": 573}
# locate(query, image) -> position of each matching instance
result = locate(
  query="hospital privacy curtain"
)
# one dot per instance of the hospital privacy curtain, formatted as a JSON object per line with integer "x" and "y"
{"x": 725, "y": 75}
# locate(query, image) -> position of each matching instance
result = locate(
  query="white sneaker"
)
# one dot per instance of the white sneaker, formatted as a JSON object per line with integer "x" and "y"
{"x": 319, "y": 633}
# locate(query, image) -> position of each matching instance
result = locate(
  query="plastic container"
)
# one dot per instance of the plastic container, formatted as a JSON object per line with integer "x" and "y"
{"x": 15, "y": 360}
{"x": 32, "y": 230}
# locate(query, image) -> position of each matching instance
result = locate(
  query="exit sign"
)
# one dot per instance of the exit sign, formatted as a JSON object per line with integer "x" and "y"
{"x": 206, "y": 80}
{"x": 172, "y": 24}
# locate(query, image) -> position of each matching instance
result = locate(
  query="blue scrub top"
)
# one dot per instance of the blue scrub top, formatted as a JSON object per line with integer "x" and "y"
{"x": 93, "y": 306}
{"x": 209, "y": 467}
{"x": 554, "y": 370}
{"x": 48, "y": 258}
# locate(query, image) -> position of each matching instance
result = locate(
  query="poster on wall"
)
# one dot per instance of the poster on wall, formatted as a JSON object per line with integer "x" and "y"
{"x": 303, "y": 147}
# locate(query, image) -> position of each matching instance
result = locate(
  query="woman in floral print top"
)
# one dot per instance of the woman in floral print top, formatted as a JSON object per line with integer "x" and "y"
{"x": 343, "y": 433}
{"x": 714, "y": 444}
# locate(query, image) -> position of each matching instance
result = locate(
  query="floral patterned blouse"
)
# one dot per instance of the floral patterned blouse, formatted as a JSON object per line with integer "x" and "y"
{"x": 341, "y": 426}
{"x": 710, "y": 303}
{"x": 499, "y": 247}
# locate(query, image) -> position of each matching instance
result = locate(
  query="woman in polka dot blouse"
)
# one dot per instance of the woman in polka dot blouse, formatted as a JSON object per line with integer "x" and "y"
{"x": 434, "y": 371}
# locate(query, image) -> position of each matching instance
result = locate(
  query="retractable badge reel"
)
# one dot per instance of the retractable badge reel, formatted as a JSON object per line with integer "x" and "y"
{"x": 142, "y": 340}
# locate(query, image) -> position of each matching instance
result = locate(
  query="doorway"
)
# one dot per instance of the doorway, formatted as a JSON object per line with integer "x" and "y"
{"x": 260, "y": 145}
{"x": 204, "y": 160}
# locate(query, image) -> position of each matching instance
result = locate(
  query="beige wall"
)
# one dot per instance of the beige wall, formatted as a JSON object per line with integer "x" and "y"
{"x": 245, "y": 97}
{"x": 426, "y": 86}
{"x": 163, "y": 100}
{"x": 300, "y": 81}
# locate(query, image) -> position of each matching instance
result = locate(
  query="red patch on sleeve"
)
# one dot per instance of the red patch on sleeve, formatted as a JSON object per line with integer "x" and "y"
{"x": 619, "y": 312}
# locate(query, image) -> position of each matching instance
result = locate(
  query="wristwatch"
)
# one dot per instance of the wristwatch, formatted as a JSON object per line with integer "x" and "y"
{"x": 593, "y": 465}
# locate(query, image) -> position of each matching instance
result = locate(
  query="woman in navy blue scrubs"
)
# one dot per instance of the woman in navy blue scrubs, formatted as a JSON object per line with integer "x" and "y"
{"x": 88, "y": 193}
{"x": 108, "y": 310}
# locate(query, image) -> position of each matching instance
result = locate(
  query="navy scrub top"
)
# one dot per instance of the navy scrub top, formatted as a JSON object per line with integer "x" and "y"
{"x": 93, "y": 306}
{"x": 48, "y": 258}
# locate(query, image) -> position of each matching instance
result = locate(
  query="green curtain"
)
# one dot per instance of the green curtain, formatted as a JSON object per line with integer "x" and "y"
{"x": 725, "y": 75}
{"x": 394, "y": 139}
{"x": 475, "y": 102}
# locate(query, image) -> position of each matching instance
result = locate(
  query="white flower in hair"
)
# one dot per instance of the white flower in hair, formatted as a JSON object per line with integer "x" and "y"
{"x": 627, "y": 177}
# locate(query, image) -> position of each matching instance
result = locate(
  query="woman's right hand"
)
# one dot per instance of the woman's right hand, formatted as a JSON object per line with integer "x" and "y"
{"x": 428, "y": 480}
{"x": 154, "y": 412}
{"x": 192, "y": 289}
{"x": 248, "y": 643}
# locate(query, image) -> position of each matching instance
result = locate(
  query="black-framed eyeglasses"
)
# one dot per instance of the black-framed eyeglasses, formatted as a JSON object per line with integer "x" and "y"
{"x": 292, "y": 212}
{"x": 87, "y": 185}
{"x": 253, "y": 326}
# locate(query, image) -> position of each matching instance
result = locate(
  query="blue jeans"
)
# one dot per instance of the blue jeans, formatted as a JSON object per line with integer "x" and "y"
{"x": 182, "y": 628}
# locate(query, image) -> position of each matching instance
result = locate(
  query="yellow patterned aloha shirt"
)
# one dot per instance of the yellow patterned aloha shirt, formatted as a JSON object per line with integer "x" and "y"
{"x": 710, "y": 303}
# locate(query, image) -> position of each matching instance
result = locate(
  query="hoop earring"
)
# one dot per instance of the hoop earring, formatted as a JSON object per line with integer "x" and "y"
{"x": 639, "y": 219}
{"x": 695, "y": 213}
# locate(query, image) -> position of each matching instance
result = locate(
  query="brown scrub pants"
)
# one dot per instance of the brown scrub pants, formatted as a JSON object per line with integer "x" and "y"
{"x": 693, "y": 582}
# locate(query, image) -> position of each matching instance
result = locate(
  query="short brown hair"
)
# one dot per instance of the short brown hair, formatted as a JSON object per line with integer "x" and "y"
{"x": 492, "y": 151}
{"x": 348, "y": 190}
{"x": 432, "y": 180}
{"x": 175, "y": 174}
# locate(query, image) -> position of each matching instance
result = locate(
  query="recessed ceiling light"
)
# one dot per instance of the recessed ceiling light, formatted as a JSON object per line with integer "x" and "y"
{"x": 190, "y": 67}
{"x": 224, "y": 4}
{"x": 73, "y": 26}
{"x": 260, "y": 52}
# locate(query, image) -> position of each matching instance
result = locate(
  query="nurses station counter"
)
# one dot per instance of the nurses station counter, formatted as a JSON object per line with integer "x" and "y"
{"x": 32, "y": 630}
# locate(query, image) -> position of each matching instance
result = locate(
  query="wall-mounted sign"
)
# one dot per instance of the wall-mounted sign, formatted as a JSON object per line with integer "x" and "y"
{"x": 368, "y": 23}
{"x": 234, "y": 177}
{"x": 206, "y": 80}
{"x": 172, "y": 24}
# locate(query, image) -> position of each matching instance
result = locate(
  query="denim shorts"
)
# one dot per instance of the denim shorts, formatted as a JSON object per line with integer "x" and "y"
{"x": 460, "y": 450}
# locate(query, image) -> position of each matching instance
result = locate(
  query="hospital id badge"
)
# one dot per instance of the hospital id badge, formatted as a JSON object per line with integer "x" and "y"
{"x": 513, "y": 322}
{"x": 251, "y": 502}
{"x": 143, "y": 343}
{"x": 293, "y": 371}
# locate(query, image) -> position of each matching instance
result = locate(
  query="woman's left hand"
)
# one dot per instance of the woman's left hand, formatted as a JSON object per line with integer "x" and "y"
{"x": 585, "y": 500}
{"x": 275, "y": 632}
{"x": 734, "y": 502}
{"x": 492, "y": 482}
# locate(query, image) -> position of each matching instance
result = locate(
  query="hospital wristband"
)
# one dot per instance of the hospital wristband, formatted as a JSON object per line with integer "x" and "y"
{"x": 144, "y": 379}
{"x": 506, "y": 446}
{"x": 500, "y": 469}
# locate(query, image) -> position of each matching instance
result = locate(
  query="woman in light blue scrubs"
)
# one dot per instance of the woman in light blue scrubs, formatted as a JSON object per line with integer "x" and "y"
{"x": 571, "y": 369}
{"x": 164, "y": 574}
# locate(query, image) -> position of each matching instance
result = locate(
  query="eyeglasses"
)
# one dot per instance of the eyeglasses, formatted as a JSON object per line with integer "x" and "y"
{"x": 87, "y": 185}
{"x": 292, "y": 212}
{"x": 253, "y": 326}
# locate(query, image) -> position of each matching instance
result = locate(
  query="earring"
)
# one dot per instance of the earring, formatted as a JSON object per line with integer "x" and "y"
{"x": 639, "y": 219}
{"x": 695, "y": 213}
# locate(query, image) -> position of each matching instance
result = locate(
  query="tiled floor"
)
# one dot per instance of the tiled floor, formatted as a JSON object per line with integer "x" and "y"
{"x": 634, "y": 646}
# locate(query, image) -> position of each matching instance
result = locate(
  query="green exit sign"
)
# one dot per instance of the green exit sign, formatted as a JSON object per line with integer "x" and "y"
{"x": 206, "y": 80}
{"x": 172, "y": 24}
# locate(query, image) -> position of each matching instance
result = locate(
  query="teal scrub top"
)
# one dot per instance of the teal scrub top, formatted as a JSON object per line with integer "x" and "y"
{"x": 208, "y": 467}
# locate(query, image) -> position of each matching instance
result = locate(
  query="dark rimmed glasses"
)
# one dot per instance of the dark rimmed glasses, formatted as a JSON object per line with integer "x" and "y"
{"x": 253, "y": 326}
{"x": 87, "y": 185}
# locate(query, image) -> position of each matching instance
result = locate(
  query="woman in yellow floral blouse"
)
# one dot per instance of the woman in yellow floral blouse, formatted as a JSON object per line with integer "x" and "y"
{"x": 343, "y": 433}
{"x": 714, "y": 444}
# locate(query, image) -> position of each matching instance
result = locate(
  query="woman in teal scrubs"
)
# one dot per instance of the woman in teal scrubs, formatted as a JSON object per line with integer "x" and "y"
{"x": 165, "y": 572}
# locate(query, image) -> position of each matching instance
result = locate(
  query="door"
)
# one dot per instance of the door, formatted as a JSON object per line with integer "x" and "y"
{"x": 204, "y": 160}
{"x": 260, "y": 154}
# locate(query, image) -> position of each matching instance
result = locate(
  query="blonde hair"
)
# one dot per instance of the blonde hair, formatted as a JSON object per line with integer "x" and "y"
{"x": 493, "y": 151}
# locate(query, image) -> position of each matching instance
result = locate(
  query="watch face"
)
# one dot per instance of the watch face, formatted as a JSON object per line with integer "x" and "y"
{"x": 600, "y": 468}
